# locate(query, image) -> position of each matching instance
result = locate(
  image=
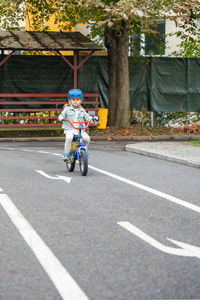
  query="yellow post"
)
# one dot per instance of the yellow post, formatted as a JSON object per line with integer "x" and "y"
{"x": 103, "y": 115}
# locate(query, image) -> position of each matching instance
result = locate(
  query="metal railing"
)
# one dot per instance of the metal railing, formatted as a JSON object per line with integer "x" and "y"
{"x": 15, "y": 113}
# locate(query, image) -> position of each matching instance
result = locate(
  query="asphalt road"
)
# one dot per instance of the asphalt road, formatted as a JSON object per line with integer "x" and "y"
{"x": 113, "y": 234}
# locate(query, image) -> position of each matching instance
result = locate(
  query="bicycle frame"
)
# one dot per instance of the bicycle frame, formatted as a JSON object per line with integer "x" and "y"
{"x": 77, "y": 150}
{"x": 79, "y": 145}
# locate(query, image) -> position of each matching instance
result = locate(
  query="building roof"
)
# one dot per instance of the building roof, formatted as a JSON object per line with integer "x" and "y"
{"x": 42, "y": 40}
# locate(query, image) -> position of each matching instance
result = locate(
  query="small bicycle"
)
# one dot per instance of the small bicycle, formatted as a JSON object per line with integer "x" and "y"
{"x": 77, "y": 151}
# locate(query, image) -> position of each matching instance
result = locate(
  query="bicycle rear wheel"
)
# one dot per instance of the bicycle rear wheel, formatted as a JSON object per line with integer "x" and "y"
{"x": 71, "y": 164}
{"x": 83, "y": 162}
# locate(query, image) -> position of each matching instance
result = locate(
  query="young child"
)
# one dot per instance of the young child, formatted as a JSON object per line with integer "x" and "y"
{"x": 76, "y": 113}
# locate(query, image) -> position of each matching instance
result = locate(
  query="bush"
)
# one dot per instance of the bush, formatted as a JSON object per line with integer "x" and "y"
{"x": 142, "y": 118}
{"x": 176, "y": 119}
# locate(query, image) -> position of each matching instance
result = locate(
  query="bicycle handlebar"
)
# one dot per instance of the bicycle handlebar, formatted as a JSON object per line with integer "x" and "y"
{"x": 72, "y": 123}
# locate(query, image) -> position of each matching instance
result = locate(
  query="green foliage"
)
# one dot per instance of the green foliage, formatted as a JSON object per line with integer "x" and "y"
{"x": 138, "y": 15}
{"x": 172, "y": 119}
{"x": 141, "y": 117}
{"x": 189, "y": 45}
{"x": 11, "y": 13}
{"x": 27, "y": 117}
{"x": 168, "y": 119}
{"x": 194, "y": 143}
{"x": 41, "y": 53}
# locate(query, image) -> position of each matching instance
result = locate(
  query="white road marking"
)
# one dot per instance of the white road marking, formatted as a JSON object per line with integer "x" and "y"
{"x": 44, "y": 152}
{"x": 1, "y": 190}
{"x": 31, "y": 150}
{"x": 56, "y": 154}
{"x": 58, "y": 177}
{"x": 150, "y": 190}
{"x": 5, "y": 148}
{"x": 186, "y": 249}
{"x": 27, "y": 150}
{"x": 65, "y": 284}
{"x": 138, "y": 185}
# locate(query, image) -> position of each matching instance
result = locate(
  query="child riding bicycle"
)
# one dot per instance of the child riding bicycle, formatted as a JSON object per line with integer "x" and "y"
{"x": 74, "y": 112}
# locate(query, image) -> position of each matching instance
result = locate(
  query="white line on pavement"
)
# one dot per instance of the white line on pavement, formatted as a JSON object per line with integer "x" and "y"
{"x": 65, "y": 178}
{"x": 65, "y": 284}
{"x": 1, "y": 190}
{"x": 143, "y": 187}
{"x": 56, "y": 154}
{"x": 150, "y": 190}
{"x": 44, "y": 152}
{"x": 184, "y": 250}
{"x": 3, "y": 148}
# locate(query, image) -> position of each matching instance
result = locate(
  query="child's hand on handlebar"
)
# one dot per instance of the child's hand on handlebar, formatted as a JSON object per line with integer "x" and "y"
{"x": 95, "y": 119}
{"x": 60, "y": 119}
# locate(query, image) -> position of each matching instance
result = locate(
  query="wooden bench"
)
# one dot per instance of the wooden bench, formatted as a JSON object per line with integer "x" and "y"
{"x": 39, "y": 117}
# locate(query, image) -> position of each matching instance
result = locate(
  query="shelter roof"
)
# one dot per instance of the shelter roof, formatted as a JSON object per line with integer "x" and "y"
{"x": 43, "y": 40}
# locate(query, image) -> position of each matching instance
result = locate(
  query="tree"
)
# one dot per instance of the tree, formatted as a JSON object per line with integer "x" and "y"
{"x": 116, "y": 21}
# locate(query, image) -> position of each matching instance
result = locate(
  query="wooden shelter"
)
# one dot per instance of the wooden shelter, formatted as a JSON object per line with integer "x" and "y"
{"x": 49, "y": 41}
{"x": 14, "y": 41}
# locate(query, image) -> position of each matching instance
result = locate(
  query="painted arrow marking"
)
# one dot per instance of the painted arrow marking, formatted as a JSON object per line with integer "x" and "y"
{"x": 184, "y": 250}
{"x": 57, "y": 177}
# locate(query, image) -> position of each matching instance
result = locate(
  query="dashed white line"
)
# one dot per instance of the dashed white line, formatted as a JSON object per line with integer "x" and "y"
{"x": 57, "y": 154}
{"x": 27, "y": 150}
{"x": 44, "y": 152}
{"x": 65, "y": 284}
{"x": 3, "y": 148}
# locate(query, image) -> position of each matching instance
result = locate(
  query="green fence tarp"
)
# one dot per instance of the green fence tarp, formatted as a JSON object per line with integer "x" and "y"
{"x": 35, "y": 74}
{"x": 175, "y": 84}
{"x": 156, "y": 84}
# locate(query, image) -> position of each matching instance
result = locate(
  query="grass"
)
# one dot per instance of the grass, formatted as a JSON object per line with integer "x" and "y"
{"x": 195, "y": 143}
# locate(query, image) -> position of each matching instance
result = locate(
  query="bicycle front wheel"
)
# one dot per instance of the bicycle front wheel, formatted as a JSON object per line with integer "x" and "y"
{"x": 83, "y": 162}
{"x": 71, "y": 163}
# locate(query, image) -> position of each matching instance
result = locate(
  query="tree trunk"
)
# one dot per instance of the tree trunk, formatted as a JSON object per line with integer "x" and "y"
{"x": 117, "y": 44}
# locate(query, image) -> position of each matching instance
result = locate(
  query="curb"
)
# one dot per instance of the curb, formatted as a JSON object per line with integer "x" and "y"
{"x": 163, "y": 157}
{"x": 105, "y": 138}
{"x": 33, "y": 139}
{"x": 127, "y": 148}
{"x": 146, "y": 138}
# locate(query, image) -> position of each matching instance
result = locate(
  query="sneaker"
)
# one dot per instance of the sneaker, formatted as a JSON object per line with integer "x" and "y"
{"x": 66, "y": 157}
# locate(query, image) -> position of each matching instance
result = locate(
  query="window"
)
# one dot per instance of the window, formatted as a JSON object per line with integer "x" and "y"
{"x": 155, "y": 44}
{"x": 149, "y": 44}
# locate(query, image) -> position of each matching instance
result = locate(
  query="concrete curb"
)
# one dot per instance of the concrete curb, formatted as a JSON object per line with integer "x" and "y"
{"x": 33, "y": 139}
{"x": 163, "y": 157}
{"x": 105, "y": 138}
{"x": 128, "y": 148}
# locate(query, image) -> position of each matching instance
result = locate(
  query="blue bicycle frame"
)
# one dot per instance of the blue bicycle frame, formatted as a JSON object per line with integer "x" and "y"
{"x": 80, "y": 145}
{"x": 78, "y": 151}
